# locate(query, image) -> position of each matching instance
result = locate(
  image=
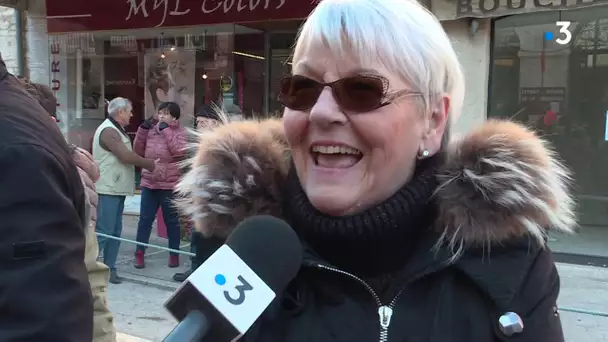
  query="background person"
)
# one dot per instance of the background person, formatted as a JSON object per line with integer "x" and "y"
{"x": 103, "y": 321}
{"x": 166, "y": 142}
{"x": 114, "y": 155}
{"x": 45, "y": 292}
{"x": 206, "y": 118}
{"x": 408, "y": 238}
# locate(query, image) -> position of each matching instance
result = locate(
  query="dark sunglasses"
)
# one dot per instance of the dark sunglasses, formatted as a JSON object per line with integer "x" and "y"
{"x": 357, "y": 94}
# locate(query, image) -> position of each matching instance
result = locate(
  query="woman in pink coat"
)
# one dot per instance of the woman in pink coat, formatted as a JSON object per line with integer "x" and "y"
{"x": 163, "y": 141}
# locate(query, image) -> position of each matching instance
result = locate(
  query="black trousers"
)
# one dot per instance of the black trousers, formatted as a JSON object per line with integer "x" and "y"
{"x": 203, "y": 248}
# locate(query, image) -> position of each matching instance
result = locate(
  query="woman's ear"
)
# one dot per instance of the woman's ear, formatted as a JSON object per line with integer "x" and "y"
{"x": 436, "y": 125}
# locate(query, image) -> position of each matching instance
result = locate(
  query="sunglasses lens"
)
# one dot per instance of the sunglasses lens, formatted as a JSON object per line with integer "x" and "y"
{"x": 299, "y": 92}
{"x": 360, "y": 93}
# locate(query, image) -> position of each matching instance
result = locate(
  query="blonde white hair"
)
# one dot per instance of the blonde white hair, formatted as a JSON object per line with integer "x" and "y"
{"x": 118, "y": 103}
{"x": 402, "y": 35}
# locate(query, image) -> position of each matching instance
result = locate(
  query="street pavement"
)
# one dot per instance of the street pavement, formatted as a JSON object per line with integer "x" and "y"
{"x": 137, "y": 304}
{"x": 157, "y": 272}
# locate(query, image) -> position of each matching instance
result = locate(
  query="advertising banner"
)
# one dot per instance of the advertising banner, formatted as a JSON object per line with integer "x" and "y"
{"x": 169, "y": 76}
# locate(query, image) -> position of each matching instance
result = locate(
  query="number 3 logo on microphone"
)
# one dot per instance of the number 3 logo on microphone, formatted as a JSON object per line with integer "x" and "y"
{"x": 240, "y": 289}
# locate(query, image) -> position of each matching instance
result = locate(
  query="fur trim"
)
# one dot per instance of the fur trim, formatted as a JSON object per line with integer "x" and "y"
{"x": 499, "y": 181}
{"x": 237, "y": 172}
{"x": 502, "y": 181}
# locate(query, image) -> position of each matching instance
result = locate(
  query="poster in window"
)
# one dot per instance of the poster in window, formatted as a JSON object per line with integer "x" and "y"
{"x": 169, "y": 76}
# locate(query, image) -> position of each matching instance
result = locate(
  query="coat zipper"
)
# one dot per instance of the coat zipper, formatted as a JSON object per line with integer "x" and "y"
{"x": 385, "y": 312}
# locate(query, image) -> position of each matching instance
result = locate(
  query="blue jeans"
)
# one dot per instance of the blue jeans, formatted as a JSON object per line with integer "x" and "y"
{"x": 150, "y": 201}
{"x": 109, "y": 222}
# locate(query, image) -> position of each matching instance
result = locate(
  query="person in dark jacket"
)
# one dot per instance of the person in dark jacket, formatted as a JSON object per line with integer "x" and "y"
{"x": 45, "y": 292}
{"x": 408, "y": 236}
{"x": 206, "y": 118}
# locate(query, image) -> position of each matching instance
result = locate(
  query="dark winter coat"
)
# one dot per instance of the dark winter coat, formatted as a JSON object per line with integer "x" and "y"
{"x": 485, "y": 255}
{"x": 44, "y": 290}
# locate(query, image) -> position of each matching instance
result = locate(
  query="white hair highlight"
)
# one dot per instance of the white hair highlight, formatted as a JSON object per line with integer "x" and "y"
{"x": 118, "y": 103}
{"x": 402, "y": 35}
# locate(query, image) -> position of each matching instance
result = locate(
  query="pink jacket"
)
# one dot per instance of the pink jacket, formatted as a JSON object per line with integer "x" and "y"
{"x": 168, "y": 146}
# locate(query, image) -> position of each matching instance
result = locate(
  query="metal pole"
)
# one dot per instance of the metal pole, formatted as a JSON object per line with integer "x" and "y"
{"x": 267, "y": 64}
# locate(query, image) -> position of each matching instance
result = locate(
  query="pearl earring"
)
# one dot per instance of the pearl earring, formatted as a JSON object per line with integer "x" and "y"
{"x": 424, "y": 154}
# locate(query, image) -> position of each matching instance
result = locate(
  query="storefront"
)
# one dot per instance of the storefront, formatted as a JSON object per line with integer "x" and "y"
{"x": 190, "y": 52}
{"x": 560, "y": 88}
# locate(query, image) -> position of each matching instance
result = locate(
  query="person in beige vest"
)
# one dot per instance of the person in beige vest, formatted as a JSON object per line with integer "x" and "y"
{"x": 114, "y": 155}
{"x": 103, "y": 320}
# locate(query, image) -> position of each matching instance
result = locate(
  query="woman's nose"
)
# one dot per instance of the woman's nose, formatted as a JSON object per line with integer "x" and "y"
{"x": 326, "y": 110}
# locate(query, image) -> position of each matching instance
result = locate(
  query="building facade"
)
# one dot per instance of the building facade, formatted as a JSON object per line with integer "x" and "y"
{"x": 520, "y": 59}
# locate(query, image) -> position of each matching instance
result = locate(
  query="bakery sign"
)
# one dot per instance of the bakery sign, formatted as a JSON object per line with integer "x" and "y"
{"x": 455, "y": 9}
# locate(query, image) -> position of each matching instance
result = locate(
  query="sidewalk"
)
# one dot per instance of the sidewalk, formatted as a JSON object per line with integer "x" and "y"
{"x": 156, "y": 273}
{"x": 582, "y": 287}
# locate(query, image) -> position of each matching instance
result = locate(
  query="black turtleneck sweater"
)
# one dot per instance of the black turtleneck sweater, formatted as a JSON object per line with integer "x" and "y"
{"x": 374, "y": 242}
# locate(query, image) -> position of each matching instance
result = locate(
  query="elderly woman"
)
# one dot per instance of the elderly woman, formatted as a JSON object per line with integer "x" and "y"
{"x": 407, "y": 237}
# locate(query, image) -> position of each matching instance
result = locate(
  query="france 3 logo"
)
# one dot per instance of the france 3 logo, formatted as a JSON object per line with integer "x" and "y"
{"x": 563, "y": 37}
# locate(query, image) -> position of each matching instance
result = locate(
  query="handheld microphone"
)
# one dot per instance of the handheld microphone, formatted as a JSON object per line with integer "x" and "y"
{"x": 224, "y": 297}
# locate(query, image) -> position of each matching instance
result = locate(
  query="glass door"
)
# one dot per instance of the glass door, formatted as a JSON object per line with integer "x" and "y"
{"x": 281, "y": 48}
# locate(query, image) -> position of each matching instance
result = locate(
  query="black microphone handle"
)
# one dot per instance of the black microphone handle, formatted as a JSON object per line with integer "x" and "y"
{"x": 191, "y": 329}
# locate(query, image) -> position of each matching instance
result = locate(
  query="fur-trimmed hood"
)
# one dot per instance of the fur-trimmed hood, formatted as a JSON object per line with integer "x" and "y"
{"x": 499, "y": 181}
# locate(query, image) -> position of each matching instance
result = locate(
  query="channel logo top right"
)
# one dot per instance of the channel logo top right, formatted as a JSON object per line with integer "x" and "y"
{"x": 563, "y": 36}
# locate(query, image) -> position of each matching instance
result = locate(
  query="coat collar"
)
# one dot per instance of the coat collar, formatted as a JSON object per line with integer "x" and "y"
{"x": 498, "y": 182}
{"x": 3, "y": 70}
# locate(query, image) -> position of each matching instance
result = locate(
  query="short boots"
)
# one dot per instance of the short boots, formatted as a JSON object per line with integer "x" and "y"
{"x": 114, "y": 278}
{"x": 139, "y": 260}
{"x": 173, "y": 261}
{"x": 182, "y": 276}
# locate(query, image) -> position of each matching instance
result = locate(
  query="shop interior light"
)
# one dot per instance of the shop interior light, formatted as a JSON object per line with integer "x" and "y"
{"x": 162, "y": 55}
{"x": 173, "y": 48}
{"x": 248, "y": 55}
{"x": 251, "y": 56}
{"x": 204, "y": 76}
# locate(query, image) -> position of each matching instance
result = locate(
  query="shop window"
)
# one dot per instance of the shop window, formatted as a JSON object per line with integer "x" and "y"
{"x": 561, "y": 91}
{"x": 281, "y": 48}
{"x": 249, "y": 71}
{"x": 191, "y": 66}
{"x": 9, "y": 38}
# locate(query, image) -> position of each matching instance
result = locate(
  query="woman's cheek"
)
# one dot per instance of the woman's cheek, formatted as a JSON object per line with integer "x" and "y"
{"x": 295, "y": 124}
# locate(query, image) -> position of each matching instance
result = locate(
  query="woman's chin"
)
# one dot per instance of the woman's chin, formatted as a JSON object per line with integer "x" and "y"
{"x": 334, "y": 202}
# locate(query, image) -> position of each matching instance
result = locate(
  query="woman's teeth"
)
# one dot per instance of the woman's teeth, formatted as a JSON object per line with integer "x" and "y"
{"x": 335, "y": 150}
{"x": 336, "y": 156}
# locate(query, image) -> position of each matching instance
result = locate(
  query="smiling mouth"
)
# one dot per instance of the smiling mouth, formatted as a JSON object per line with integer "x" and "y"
{"x": 335, "y": 157}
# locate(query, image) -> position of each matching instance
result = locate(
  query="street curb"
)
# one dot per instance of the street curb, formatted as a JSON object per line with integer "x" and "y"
{"x": 148, "y": 281}
{"x": 121, "y": 337}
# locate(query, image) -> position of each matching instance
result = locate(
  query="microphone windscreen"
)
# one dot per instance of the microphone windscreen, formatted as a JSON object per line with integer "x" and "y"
{"x": 270, "y": 247}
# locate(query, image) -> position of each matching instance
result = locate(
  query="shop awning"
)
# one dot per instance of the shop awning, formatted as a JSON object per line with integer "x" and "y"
{"x": 457, "y": 9}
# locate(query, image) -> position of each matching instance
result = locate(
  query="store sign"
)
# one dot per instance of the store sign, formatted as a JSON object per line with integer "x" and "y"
{"x": 455, "y": 9}
{"x": 90, "y": 15}
{"x": 59, "y": 80}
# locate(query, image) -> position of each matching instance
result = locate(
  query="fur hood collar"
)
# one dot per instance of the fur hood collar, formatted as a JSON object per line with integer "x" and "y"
{"x": 498, "y": 182}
